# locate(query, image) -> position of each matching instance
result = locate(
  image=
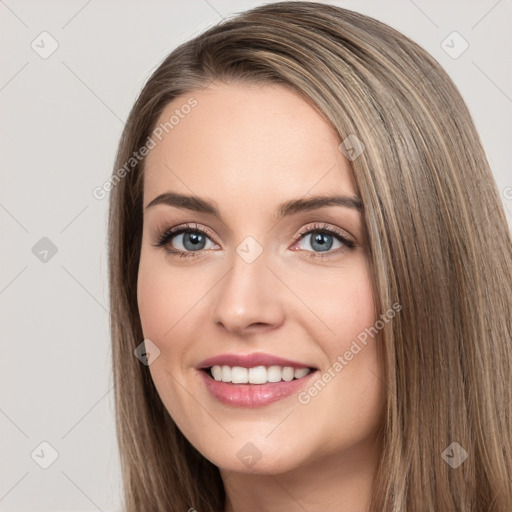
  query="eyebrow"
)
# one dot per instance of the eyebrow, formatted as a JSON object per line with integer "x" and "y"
{"x": 287, "y": 208}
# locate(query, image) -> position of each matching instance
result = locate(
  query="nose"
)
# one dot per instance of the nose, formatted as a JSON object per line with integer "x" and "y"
{"x": 249, "y": 298}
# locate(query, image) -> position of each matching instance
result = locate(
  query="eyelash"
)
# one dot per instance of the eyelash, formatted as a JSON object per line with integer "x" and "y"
{"x": 167, "y": 235}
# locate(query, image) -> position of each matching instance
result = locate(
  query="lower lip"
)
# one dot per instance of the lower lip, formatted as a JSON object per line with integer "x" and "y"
{"x": 252, "y": 395}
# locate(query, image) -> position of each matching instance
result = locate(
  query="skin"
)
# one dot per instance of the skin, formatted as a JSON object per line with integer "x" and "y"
{"x": 248, "y": 148}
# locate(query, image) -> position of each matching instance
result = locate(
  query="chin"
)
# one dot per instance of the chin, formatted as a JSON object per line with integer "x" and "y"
{"x": 255, "y": 457}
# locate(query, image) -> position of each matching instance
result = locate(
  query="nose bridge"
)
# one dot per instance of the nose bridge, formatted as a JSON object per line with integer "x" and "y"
{"x": 249, "y": 294}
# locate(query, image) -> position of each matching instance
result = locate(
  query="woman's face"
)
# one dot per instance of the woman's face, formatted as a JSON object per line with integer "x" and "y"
{"x": 254, "y": 291}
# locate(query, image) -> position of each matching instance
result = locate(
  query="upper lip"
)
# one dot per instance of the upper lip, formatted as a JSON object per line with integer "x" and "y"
{"x": 250, "y": 361}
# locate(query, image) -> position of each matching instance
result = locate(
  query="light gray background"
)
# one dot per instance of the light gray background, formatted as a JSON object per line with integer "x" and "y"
{"x": 61, "y": 120}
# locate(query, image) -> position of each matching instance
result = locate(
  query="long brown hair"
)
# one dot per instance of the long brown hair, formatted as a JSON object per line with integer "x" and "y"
{"x": 438, "y": 240}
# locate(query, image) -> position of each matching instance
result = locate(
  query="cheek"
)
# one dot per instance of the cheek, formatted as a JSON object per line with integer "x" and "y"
{"x": 341, "y": 302}
{"x": 165, "y": 296}
{"x": 154, "y": 300}
{"x": 165, "y": 299}
{"x": 350, "y": 389}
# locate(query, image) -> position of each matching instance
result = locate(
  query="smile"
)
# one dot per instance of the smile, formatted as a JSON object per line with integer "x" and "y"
{"x": 256, "y": 374}
{"x": 251, "y": 395}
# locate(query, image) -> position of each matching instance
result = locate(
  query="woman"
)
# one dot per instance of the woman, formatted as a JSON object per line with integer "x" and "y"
{"x": 311, "y": 262}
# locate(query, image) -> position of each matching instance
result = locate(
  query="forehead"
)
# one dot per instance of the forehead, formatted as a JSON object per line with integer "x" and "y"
{"x": 248, "y": 142}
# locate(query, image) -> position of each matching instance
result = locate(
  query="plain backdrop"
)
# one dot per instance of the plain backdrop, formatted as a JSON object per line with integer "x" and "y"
{"x": 70, "y": 72}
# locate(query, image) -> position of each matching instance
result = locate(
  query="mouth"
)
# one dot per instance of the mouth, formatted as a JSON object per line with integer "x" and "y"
{"x": 253, "y": 380}
{"x": 257, "y": 374}
{"x": 255, "y": 386}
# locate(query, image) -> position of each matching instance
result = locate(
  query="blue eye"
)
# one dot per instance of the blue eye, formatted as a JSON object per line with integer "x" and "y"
{"x": 322, "y": 241}
{"x": 191, "y": 238}
{"x": 322, "y": 238}
{"x": 194, "y": 240}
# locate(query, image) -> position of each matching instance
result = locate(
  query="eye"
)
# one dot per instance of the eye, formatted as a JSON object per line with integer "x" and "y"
{"x": 189, "y": 241}
{"x": 185, "y": 241}
{"x": 322, "y": 238}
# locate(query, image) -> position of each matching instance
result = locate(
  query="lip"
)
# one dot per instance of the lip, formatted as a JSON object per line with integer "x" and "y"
{"x": 253, "y": 395}
{"x": 250, "y": 361}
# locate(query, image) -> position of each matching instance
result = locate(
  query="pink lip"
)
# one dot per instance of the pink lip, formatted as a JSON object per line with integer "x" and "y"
{"x": 249, "y": 361}
{"x": 253, "y": 395}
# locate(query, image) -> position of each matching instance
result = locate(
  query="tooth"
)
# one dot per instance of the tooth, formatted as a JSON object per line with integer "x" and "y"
{"x": 226, "y": 373}
{"x": 217, "y": 372}
{"x": 273, "y": 373}
{"x": 287, "y": 373}
{"x": 301, "y": 372}
{"x": 258, "y": 375}
{"x": 239, "y": 375}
